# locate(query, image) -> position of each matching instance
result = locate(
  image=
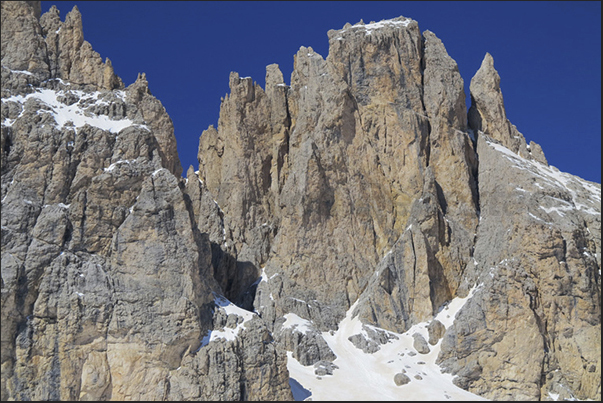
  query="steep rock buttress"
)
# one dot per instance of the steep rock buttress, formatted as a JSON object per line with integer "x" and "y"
{"x": 108, "y": 288}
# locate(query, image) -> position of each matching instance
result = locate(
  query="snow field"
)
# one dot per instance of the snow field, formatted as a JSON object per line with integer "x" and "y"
{"x": 75, "y": 113}
{"x": 561, "y": 180}
{"x": 363, "y": 376}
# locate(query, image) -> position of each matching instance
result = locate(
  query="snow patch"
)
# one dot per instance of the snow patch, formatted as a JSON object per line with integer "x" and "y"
{"x": 538, "y": 218}
{"x": 116, "y": 163}
{"x": 371, "y": 376}
{"x": 75, "y": 113}
{"x": 263, "y": 276}
{"x": 21, "y": 72}
{"x": 379, "y": 25}
{"x": 557, "y": 209}
{"x": 292, "y": 321}
{"x": 228, "y": 334}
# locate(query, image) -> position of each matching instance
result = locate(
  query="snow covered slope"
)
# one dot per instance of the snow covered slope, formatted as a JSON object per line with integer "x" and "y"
{"x": 362, "y": 376}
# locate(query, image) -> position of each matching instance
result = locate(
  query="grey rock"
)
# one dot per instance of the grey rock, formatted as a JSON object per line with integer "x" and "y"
{"x": 233, "y": 370}
{"x": 22, "y": 42}
{"x": 436, "y": 331}
{"x": 323, "y": 368}
{"x": 401, "y": 379}
{"x": 420, "y": 344}
{"x": 371, "y": 339}
{"x": 308, "y": 347}
{"x": 358, "y": 182}
{"x": 367, "y": 345}
{"x": 550, "y": 237}
{"x": 107, "y": 268}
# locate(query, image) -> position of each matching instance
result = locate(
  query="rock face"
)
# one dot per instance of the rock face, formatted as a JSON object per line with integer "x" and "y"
{"x": 363, "y": 186}
{"x": 537, "y": 265}
{"x": 535, "y": 317}
{"x": 108, "y": 286}
{"x": 322, "y": 178}
{"x": 360, "y": 182}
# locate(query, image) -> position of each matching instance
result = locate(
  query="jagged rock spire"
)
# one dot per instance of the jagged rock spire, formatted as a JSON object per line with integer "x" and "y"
{"x": 487, "y": 113}
{"x": 49, "y": 48}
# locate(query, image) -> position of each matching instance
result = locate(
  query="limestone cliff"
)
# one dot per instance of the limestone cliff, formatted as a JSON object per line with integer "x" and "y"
{"x": 367, "y": 180}
{"x": 108, "y": 287}
{"x": 534, "y": 324}
{"x": 364, "y": 187}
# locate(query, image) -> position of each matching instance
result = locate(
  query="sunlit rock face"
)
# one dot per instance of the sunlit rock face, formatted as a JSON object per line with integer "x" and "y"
{"x": 108, "y": 286}
{"x": 366, "y": 180}
{"x": 360, "y": 208}
{"x": 330, "y": 171}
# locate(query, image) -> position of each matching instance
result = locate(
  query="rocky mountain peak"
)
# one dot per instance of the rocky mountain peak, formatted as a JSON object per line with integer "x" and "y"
{"x": 54, "y": 49}
{"x": 368, "y": 29}
{"x": 487, "y": 113}
{"x": 51, "y": 21}
{"x": 357, "y": 212}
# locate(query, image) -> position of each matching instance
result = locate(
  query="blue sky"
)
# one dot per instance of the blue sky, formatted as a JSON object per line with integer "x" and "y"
{"x": 548, "y": 54}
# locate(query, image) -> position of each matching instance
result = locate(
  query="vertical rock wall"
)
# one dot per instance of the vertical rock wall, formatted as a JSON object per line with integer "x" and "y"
{"x": 383, "y": 189}
{"x": 108, "y": 288}
{"x": 336, "y": 174}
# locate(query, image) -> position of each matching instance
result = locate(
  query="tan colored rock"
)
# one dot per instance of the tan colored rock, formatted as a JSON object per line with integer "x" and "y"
{"x": 96, "y": 377}
{"x": 22, "y": 42}
{"x": 152, "y": 111}
{"x": 107, "y": 280}
{"x": 373, "y": 165}
{"x": 487, "y": 113}
{"x": 520, "y": 335}
{"x": 359, "y": 182}
{"x": 252, "y": 124}
{"x": 75, "y": 59}
{"x": 353, "y": 164}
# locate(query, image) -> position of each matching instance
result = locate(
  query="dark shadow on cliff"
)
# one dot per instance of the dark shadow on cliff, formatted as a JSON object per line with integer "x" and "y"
{"x": 237, "y": 279}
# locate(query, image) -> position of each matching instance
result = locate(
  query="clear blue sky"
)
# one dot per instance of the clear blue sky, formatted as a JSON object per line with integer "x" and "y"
{"x": 547, "y": 53}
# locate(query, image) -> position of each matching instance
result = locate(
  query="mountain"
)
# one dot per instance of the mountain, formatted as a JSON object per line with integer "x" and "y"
{"x": 357, "y": 234}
